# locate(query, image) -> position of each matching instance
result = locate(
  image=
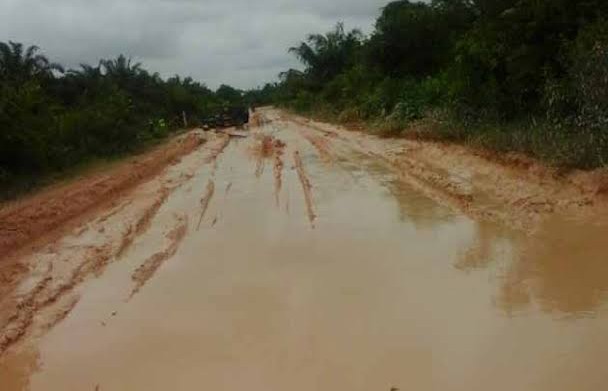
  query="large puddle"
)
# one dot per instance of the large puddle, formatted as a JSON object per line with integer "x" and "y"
{"x": 384, "y": 289}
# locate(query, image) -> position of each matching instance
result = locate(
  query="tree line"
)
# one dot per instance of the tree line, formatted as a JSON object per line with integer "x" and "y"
{"x": 52, "y": 119}
{"x": 511, "y": 75}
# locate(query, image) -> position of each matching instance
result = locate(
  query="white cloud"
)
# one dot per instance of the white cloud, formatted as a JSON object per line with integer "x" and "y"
{"x": 239, "y": 42}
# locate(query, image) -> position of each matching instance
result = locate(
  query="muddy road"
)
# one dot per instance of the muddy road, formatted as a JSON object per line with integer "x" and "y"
{"x": 307, "y": 257}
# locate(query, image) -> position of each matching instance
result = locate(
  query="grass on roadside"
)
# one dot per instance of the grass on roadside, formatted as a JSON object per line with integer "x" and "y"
{"x": 22, "y": 185}
{"x": 555, "y": 145}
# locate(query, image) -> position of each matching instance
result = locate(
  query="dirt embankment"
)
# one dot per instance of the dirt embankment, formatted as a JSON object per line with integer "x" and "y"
{"x": 28, "y": 222}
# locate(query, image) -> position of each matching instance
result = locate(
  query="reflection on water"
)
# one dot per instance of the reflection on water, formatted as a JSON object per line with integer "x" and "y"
{"x": 563, "y": 269}
{"x": 417, "y": 208}
{"x": 484, "y": 247}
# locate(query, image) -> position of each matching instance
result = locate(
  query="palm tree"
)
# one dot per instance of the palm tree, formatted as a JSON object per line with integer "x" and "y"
{"x": 79, "y": 82}
{"x": 19, "y": 65}
{"x": 121, "y": 68}
{"x": 86, "y": 72}
{"x": 326, "y": 55}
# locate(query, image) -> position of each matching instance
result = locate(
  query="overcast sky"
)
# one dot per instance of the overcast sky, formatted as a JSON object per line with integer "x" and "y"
{"x": 240, "y": 42}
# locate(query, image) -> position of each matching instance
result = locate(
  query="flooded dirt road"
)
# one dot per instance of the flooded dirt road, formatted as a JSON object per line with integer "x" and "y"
{"x": 302, "y": 258}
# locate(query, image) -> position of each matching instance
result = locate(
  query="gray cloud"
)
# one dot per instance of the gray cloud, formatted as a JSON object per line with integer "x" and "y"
{"x": 240, "y": 42}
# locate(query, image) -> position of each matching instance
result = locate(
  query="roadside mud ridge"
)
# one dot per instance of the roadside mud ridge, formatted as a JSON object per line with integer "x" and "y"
{"x": 306, "y": 186}
{"x": 34, "y": 218}
{"x": 148, "y": 269}
{"x": 216, "y": 149}
{"x": 46, "y": 293}
{"x": 506, "y": 188}
{"x": 143, "y": 223}
{"x": 312, "y": 125}
{"x": 116, "y": 210}
{"x": 32, "y": 308}
{"x": 205, "y": 202}
{"x": 438, "y": 187}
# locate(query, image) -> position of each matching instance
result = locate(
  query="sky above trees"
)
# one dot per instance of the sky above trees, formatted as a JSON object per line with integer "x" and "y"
{"x": 240, "y": 42}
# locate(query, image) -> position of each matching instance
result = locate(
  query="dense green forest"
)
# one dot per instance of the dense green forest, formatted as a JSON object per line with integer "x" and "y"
{"x": 53, "y": 119}
{"x": 510, "y": 75}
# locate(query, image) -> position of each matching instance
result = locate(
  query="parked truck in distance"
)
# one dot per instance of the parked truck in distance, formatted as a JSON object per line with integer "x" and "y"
{"x": 227, "y": 117}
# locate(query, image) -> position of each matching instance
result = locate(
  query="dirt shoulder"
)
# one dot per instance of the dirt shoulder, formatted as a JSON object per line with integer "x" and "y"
{"x": 508, "y": 188}
{"x": 62, "y": 237}
{"x": 36, "y": 219}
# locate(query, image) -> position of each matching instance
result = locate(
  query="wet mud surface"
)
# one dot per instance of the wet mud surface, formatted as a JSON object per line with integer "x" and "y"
{"x": 310, "y": 258}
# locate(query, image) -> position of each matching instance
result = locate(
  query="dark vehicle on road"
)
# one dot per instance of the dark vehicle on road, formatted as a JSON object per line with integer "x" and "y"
{"x": 228, "y": 117}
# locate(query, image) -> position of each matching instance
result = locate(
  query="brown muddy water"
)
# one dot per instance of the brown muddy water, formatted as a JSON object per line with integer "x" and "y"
{"x": 317, "y": 269}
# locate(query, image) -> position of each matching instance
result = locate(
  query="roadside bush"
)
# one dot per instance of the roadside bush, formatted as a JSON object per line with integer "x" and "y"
{"x": 589, "y": 57}
{"x": 51, "y": 120}
{"x": 26, "y": 113}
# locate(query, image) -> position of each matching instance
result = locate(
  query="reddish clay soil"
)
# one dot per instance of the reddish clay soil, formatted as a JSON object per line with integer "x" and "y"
{"x": 506, "y": 188}
{"x": 29, "y": 221}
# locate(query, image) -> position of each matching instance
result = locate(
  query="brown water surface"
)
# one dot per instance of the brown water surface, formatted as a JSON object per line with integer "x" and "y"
{"x": 381, "y": 288}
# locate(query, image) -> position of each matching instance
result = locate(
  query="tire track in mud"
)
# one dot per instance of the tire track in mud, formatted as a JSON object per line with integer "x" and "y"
{"x": 143, "y": 223}
{"x": 321, "y": 144}
{"x": 44, "y": 295}
{"x": 115, "y": 211}
{"x": 268, "y": 148}
{"x": 511, "y": 189}
{"x": 219, "y": 149}
{"x": 278, "y": 177}
{"x": 436, "y": 185}
{"x": 205, "y": 202}
{"x": 50, "y": 290}
{"x": 260, "y": 167}
{"x": 444, "y": 190}
{"x": 306, "y": 187}
{"x": 148, "y": 269}
{"x": 313, "y": 125}
{"x": 262, "y": 151}
{"x": 278, "y": 166}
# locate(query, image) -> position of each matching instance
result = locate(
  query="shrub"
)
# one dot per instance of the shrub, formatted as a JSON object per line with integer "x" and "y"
{"x": 589, "y": 57}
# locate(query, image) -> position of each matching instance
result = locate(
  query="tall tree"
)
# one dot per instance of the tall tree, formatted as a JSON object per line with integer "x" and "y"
{"x": 18, "y": 64}
{"x": 327, "y": 55}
